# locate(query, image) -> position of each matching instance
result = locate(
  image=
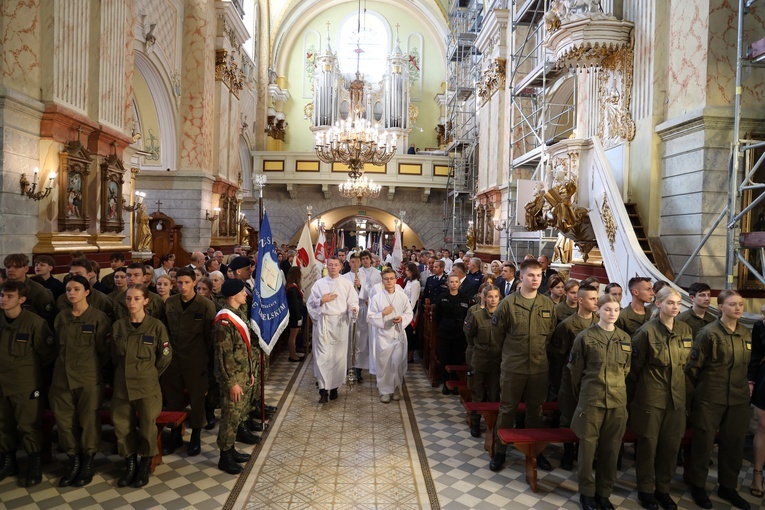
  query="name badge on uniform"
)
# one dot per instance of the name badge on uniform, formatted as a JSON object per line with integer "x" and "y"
{"x": 22, "y": 337}
{"x": 147, "y": 340}
{"x": 626, "y": 347}
{"x": 88, "y": 329}
{"x": 748, "y": 344}
{"x": 687, "y": 343}
{"x": 546, "y": 314}
{"x": 198, "y": 316}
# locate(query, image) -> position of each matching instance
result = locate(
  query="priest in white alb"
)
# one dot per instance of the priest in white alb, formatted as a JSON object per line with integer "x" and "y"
{"x": 389, "y": 314}
{"x": 332, "y": 304}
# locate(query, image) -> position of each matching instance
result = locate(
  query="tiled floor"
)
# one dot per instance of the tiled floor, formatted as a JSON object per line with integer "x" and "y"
{"x": 352, "y": 453}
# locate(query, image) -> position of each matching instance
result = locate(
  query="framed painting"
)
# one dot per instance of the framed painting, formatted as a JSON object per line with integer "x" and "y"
{"x": 112, "y": 174}
{"x": 74, "y": 168}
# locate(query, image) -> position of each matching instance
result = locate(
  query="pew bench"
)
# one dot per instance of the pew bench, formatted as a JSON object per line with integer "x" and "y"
{"x": 459, "y": 370}
{"x": 490, "y": 412}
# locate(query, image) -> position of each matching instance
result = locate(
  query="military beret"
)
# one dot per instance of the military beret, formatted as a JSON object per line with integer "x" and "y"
{"x": 232, "y": 287}
{"x": 239, "y": 263}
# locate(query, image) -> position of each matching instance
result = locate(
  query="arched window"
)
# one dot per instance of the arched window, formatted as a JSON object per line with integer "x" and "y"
{"x": 375, "y": 45}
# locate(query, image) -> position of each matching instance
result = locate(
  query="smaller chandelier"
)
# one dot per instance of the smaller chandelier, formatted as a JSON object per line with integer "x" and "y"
{"x": 360, "y": 188}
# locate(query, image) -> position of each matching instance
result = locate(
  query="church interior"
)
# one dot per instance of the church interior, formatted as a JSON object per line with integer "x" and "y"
{"x": 617, "y": 138}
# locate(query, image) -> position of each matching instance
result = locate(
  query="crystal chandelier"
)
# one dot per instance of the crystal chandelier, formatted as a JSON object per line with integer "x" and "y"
{"x": 360, "y": 188}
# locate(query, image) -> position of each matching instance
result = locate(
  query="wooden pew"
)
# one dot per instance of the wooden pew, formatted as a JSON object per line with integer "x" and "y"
{"x": 490, "y": 412}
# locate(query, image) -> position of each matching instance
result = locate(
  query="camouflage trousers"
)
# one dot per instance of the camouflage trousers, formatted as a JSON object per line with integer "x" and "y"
{"x": 232, "y": 414}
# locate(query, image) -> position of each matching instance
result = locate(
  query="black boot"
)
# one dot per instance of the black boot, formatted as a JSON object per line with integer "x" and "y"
{"x": 567, "y": 461}
{"x": 227, "y": 462}
{"x": 244, "y": 435}
{"x": 240, "y": 457}
{"x": 86, "y": 471}
{"x": 323, "y": 396}
{"x": 497, "y": 462}
{"x": 254, "y": 425}
{"x": 72, "y": 470}
{"x": 195, "y": 446}
{"x": 34, "y": 470}
{"x": 8, "y": 465}
{"x": 174, "y": 442}
{"x": 475, "y": 424}
{"x": 210, "y": 416}
{"x": 333, "y": 394}
{"x": 144, "y": 470}
{"x": 128, "y": 475}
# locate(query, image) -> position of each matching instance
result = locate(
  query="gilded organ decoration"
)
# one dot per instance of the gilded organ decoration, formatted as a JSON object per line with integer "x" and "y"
{"x": 615, "y": 123}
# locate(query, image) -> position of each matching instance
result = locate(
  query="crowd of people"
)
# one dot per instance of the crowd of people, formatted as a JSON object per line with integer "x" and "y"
{"x": 171, "y": 338}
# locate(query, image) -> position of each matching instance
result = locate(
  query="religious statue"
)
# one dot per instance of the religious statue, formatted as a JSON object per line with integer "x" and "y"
{"x": 535, "y": 219}
{"x": 243, "y": 235}
{"x": 142, "y": 230}
{"x": 470, "y": 234}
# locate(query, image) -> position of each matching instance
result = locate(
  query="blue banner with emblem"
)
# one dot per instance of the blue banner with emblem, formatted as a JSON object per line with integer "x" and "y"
{"x": 270, "y": 313}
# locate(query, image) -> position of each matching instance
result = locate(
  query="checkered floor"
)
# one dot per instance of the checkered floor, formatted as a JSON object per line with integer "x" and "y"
{"x": 456, "y": 461}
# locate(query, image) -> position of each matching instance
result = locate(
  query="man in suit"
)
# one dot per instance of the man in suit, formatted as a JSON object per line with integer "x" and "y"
{"x": 467, "y": 288}
{"x": 547, "y": 272}
{"x": 507, "y": 282}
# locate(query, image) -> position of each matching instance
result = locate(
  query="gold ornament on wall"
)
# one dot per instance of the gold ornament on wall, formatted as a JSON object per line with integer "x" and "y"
{"x": 608, "y": 221}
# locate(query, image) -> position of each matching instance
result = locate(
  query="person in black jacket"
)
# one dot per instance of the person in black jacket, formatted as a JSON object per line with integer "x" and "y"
{"x": 756, "y": 378}
{"x": 451, "y": 309}
{"x": 297, "y": 310}
{"x": 435, "y": 285}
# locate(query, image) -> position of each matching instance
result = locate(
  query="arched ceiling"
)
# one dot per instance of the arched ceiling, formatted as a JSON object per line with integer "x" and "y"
{"x": 286, "y": 18}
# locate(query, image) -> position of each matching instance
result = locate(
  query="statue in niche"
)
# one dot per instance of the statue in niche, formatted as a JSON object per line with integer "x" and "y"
{"x": 243, "y": 238}
{"x": 142, "y": 231}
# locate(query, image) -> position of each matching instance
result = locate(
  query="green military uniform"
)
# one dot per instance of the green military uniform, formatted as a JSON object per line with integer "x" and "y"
{"x": 234, "y": 364}
{"x": 76, "y": 391}
{"x": 155, "y": 308}
{"x": 96, "y": 299}
{"x": 140, "y": 354}
{"x": 559, "y": 376}
{"x": 483, "y": 355}
{"x": 189, "y": 326}
{"x": 657, "y": 380}
{"x": 523, "y": 328}
{"x": 26, "y": 345}
{"x": 718, "y": 369}
{"x": 599, "y": 363}
{"x": 563, "y": 311}
{"x": 629, "y": 321}
{"x": 694, "y": 321}
{"x": 108, "y": 282}
{"x": 40, "y": 301}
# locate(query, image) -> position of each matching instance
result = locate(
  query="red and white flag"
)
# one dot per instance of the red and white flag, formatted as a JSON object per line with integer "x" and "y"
{"x": 310, "y": 268}
{"x": 321, "y": 248}
{"x": 342, "y": 239}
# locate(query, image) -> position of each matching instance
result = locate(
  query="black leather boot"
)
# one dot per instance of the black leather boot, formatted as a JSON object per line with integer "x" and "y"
{"x": 8, "y": 465}
{"x": 241, "y": 457}
{"x": 244, "y": 435}
{"x": 86, "y": 471}
{"x": 357, "y": 373}
{"x": 227, "y": 462}
{"x": 475, "y": 424}
{"x": 174, "y": 442}
{"x": 144, "y": 470}
{"x": 34, "y": 470}
{"x": 72, "y": 470}
{"x": 210, "y": 417}
{"x": 195, "y": 446}
{"x": 128, "y": 475}
{"x": 567, "y": 460}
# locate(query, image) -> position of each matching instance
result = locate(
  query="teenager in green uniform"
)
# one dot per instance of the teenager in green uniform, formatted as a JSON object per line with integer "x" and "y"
{"x": 26, "y": 345}
{"x": 558, "y": 352}
{"x": 83, "y": 333}
{"x": 599, "y": 363}
{"x": 96, "y": 298}
{"x": 155, "y": 307}
{"x": 189, "y": 326}
{"x": 39, "y": 300}
{"x": 698, "y": 316}
{"x": 119, "y": 276}
{"x": 615, "y": 290}
{"x": 718, "y": 369}
{"x": 570, "y": 304}
{"x": 141, "y": 352}
{"x": 483, "y": 354}
{"x": 633, "y": 316}
{"x": 235, "y": 371}
{"x": 660, "y": 350}
{"x": 523, "y": 324}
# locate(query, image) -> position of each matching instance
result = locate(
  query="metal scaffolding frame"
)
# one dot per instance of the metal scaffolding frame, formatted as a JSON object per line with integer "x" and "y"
{"x": 737, "y": 186}
{"x": 463, "y": 71}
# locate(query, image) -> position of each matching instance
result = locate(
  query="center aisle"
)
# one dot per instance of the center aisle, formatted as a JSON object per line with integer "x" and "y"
{"x": 354, "y": 452}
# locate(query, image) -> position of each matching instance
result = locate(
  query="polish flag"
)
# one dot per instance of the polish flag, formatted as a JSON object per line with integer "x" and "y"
{"x": 321, "y": 248}
{"x": 310, "y": 268}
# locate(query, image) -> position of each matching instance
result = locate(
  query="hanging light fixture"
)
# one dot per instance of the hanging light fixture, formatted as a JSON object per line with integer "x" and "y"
{"x": 360, "y": 188}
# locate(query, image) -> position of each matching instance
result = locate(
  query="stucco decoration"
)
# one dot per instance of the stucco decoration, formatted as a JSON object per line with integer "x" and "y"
{"x": 615, "y": 123}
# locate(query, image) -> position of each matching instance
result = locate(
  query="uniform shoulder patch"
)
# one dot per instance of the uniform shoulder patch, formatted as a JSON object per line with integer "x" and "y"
{"x": 694, "y": 354}
{"x": 468, "y": 325}
{"x": 571, "y": 357}
{"x": 34, "y": 395}
{"x": 494, "y": 320}
{"x": 165, "y": 351}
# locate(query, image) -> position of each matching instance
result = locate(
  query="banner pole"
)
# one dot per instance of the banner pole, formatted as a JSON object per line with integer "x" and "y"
{"x": 262, "y": 354}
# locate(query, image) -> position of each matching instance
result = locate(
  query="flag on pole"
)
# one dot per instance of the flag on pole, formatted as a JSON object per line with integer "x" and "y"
{"x": 321, "y": 248}
{"x": 342, "y": 239}
{"x": 333, "y": 246}
{"x": 270, "y": 313}
{"x": 397, "y": 255}
{"x": 380, "y": 239}
{"x": 310, "y": 269}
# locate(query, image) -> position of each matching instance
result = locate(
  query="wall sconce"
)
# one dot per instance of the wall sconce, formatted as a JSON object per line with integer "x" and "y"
{"x": 31, "y": 191}
{"x": 214, "y": 217}
{"x": 138, "y": 203}
{"x": 500, "y": 225}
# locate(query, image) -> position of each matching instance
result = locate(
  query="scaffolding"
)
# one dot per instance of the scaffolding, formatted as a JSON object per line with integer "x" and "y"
{"x": 747, "y": 58}
{"x": 463, "y": 68}
{"x": 535, "y": 122}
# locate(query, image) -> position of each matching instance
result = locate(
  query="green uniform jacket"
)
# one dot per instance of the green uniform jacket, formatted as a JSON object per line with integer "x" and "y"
{"x": 523, "y": 330}
{"x": 629, "y": 321}
{"x": 140, "y": 356}
{"x": 40, "y": 301}
{"x": 482, "y": 347}
{"x": 560, "y": 347}
{"x": 26, "y": 345}
{"x": 96, "y": 299}
{"x": 155, "y": 308}
{"x": 695, "y": 322}
{"x": 190, "y": 330}
{"x": 233, "y": 361}
{"x": 563, "y": 311}
{"x": 718, "y": 364}
{"x": 659, "y": 357}
{"x": 599, "y": 364}
{"x": 83, "y": 348}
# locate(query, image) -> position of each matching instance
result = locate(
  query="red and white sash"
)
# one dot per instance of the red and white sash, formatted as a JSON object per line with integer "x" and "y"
{"x": 239, "y": 324}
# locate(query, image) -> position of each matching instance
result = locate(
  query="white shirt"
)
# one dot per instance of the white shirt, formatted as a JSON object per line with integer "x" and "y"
{"x": 447, "y": 265}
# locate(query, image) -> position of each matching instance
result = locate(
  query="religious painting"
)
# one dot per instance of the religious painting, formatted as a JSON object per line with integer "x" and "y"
{"x": 754, "y": 220}
{"x": 112, "y": 172}
{"x": 74, "y": 165}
